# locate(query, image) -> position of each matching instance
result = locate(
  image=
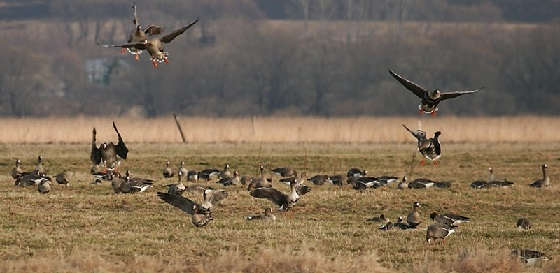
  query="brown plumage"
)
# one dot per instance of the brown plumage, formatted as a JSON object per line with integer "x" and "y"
{"x": 544, "y": 181}
{"x": 63, "y": 178}
{"x": 267, "y": 216}
{"x": 107, "y": 152}
{"x": 167, "y": 171}
{"x": 200, "y": 216}
{"x": 438, "y": 231}
{"x": 523, "y": 223}
{"x": 44, "y": 186}
{"x": 413, "y": 219}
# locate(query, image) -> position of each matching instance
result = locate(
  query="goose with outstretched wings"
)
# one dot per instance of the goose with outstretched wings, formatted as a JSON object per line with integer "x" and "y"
{"x": 107, "y": 152}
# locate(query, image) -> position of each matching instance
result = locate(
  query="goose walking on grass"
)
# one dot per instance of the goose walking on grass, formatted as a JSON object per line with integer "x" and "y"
{"x": 200, "y": 216}
{"x": 155, "y": 46}
{"x": 107, "y": 152}
{"x": 266, "y": 216}
{"x": 523, "y": 223}
{"x": 544, "y": 181}
{"x": 438, "y": 231}
{"x": 430, "y": 148}
{"x": 167, "y": 171}
{"x": 414, "y": 219}
{"x": 429, "y": 99}
{"x": 283, "y": 200}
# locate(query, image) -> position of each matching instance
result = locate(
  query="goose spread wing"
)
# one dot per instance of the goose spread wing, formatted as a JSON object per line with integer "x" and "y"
{"x": 95, "y": 152}
{"x": 141, "y": 46}
{"x": 153, "y": 30}
{"x": 180, "y": 202}
{"x": 271, "y": 194}
{"x": 121, "y": 148}
{"x": 169, "y": 37}
{"x": 418, "y": 134}
{"x": 454, "y": 94}
{"x": 215, "y": 196}
{"x": 415, "y": 88}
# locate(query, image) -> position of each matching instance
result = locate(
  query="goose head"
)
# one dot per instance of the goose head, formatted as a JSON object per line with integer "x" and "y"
{"x": 364, "y": 172}
{"x": 435, "y": 94}
{"x": 437, "y": 134}
{"x": 433, "y": 215}
{"x": 544, "y": 166}
{"x": 39, "y": 159}
{"x": 415, "y": 205}
{"x": 182, "y": 163}
{"x": 167, "y": 163}
{"x": 18, "y": 162}
{"x": 261, "y": 169}
{"x": 267, "y": 211}
{"x": 226, "y": 167}
{"x": 104, "y": 145}
{"x": 400, "y": 219}
{"x": 235, "y": 173}
{"x": 127, "y": 174}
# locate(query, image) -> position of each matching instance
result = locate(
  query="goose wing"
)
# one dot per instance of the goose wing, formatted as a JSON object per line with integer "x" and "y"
{"x": 302, "y": 189}
{"x": 418, "y": 90}
{"x": 271, "y": 194}
{"x": 95, "y": 155}
{"x": 121, "y": 148}
{"x": 153, "y": 30}
{"x": 454, "y": 94}
{"x": 215, "y": 196}
{"x": 180, "y": 202}
{"x": 169, "y": 37}
{"x": 141, "y": 46}
{"x": 456, "y": 218}
{"x": 418, "y": 134}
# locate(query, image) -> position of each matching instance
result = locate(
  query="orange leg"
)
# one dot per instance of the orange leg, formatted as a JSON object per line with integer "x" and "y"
{"x": 435, "y": 163}
{"x": 137, "y": 57}
{"x": 154, "y": 63}
{"x": 433, "y": 113}
{"x": 123, "y": 50}
{"x": 166, "y": 60}
{"x": 422, "y": 162}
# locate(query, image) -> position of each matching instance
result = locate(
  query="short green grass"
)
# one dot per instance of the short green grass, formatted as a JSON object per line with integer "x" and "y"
{"x": 330, "y": 219}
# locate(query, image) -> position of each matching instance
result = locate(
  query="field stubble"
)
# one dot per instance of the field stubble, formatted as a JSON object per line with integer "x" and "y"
{"x": 84, "y": 225}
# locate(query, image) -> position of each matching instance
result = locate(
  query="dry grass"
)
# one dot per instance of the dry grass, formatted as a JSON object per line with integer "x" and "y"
{"x": 278, "y": 130}
{"x": 140, "y": 231}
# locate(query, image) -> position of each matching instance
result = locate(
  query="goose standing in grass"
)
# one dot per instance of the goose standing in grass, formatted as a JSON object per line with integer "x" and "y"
{"x": 529, "y": 256}
{"x": 430, "y": 148}
{"x": 63, "y": 178}
{"x": 493, "y": 182}
{"x": 139, "y": 35}
{"x": 523, "y": 223}
{"x": 155, "y": 46}
{"x": 449, "y": 219}
{"x": 108, "y": 152}
{"x": 229, "y": 181}
{"x": 267, "y": 216}
{"x": 44, "y": 186}
{"x": 284, "y": 172}
{"x": 438, "y": 231}
{"x": 40, "y": 168}
{"x": 200, "y": 216}
{"x": 182, "y": 168}
{"x": 356, "y": 172}
{"x": 167, "y": 171}
{"x": 320, "y": 179}
{"x": 414, "y": 219}
{"x": 283, "y": 200}
{"x": 212, "y": 197}
{"x": 225, "y": 173}
{"x": 544, "y": 181}
{"x": 178, "y": 188}
{"x": 429, "y": 99}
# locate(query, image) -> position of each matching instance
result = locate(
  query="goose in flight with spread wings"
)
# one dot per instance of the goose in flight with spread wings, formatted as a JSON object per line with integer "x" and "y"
{"x": 156, "y": 46}
{"x": 430, "y": 98}
{"x": 107, "y": 152}
{"x": 138, "y": 34}
{"x": 430, "y": 148}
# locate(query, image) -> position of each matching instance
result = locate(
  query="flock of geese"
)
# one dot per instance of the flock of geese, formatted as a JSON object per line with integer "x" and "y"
{"x": 106, "y": 160}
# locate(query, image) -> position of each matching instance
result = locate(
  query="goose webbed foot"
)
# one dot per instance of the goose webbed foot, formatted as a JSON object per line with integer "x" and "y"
{"x": 123, "y": 50}
{"x": 137, "y": 57}
{"x": 154, "y": 63}
{"x": 433, "y": 113}
{"x": 422, "y": 162}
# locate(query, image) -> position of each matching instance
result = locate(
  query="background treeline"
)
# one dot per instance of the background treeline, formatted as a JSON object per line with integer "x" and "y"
{"x": 304, "y": 57}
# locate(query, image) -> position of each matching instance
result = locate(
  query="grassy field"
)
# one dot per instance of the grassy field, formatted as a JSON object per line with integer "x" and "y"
{"x": 282, "y": 129}
{"x": 76, "y": 227}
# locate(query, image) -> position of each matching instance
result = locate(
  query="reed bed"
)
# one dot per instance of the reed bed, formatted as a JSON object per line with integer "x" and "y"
{"x": 282, "y": 129}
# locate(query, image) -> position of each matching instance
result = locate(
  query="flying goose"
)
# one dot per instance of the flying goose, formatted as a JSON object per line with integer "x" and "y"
{"x": 320, "y": 179}
{"x": 430, "y": 148}
{"x": 167, "y": 171}
{"x": 62, "y": 178}
{"x": 138, "y": 35}
{"x": 492, "y": 182}
{"x": 44, "y": 186}
{"x": 523, "y": 223}
{"x": 438, "y": 231}
{"x": 212, "y": 197}
{"x": 267, "y": 216}
{"x": 178, "y": 188}
{"x": 544, "y": 181}
{"x": 429, "y": 99}
{"x": 529, "y": 256}
{"x": 155, "y": 46}
{"x": 200, "y": 216}
{"x": 107, "y": 152}
{"x": 283, "y": 200}
{"x": 284, "y": 172}
{"x": 413, "y": 219}
{"x": 355, "y": 172}
{"x": 449, "y": 219}
{"x": 228, "y": 181}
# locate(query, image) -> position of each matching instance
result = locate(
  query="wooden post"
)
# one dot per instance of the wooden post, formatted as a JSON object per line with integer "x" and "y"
{"x": 179, "y": 128}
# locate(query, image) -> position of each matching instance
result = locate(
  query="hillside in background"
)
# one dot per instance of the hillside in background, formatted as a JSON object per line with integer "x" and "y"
{"x": 304, "y": 57}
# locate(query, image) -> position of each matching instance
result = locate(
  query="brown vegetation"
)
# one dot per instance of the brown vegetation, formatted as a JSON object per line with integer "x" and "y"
{"x": 279, "y": 129}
